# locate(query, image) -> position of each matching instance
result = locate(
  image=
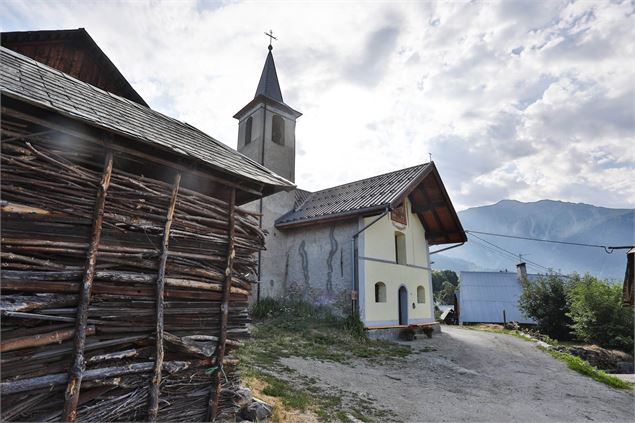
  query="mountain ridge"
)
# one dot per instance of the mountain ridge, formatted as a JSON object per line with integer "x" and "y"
{"x": 544, "y": 219}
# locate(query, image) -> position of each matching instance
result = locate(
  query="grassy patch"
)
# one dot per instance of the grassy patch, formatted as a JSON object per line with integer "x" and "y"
{"x": 583, "y": 367}
{"x": 301, "y": 330}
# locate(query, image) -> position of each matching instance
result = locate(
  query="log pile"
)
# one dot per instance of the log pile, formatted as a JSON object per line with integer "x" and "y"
{"x": 123, "y": 295}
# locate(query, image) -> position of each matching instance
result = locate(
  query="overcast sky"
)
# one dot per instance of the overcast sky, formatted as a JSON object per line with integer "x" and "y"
{"x": 524, "y": 100}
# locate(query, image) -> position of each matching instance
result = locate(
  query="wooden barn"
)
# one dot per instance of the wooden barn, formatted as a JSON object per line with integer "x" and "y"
{"x": 127, "y": 260}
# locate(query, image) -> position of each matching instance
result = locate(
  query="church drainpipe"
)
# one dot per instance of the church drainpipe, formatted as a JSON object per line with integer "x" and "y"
{"x": 262, "y": 162}
{"x": 354, "y": 301}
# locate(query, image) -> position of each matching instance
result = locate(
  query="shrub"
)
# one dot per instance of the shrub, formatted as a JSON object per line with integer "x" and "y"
{"x": 266, "y": 307}
{"x": 545, "y": 300}
{"x": 598, "y": 315}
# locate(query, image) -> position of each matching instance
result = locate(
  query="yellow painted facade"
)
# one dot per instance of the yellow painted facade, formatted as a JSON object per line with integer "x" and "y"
{"x": 378, "y": 263}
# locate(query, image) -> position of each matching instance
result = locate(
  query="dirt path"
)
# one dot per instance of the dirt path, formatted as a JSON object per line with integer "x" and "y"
{"x": 474, "y": 376}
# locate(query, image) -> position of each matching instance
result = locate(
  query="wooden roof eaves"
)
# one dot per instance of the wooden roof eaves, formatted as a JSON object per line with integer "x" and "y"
{"x": 412, "y": 185}
{"x": 431, "y": 169}
{"x": 453, "y": 212}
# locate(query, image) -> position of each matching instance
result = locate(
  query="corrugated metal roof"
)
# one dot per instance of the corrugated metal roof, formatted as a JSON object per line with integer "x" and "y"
{"x": 27, "y": 80}
{"x": 367, "y": 194}
{"x": 484, "y": 296}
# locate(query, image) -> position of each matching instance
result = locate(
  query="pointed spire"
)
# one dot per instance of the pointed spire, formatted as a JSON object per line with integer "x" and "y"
{"x": 269, "y": 85}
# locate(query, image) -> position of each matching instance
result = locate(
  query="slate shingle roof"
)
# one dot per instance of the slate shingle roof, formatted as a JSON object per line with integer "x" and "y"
{"x": 27, "y": 80}
{"x": 268, "y": 84}
{"x": 368, "y": 194}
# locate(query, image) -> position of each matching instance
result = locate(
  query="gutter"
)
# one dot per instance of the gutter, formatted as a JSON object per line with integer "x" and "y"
{"x": 355, "y": 245}
{"x": 445, "y": 249}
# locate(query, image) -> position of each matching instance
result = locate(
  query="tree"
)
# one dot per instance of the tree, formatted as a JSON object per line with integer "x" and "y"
{"x": 444, "y": 283}
{"x": 598, "y": 315}
{"x": 446, "y": 295}
{"x": 545, "y": 300}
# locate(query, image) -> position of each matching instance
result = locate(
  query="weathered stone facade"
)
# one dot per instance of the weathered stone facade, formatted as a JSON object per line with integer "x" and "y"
{"x": 313, "y": 263}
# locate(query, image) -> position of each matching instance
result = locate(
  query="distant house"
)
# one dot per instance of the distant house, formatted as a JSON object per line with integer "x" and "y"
{"x": 491, "y": 297}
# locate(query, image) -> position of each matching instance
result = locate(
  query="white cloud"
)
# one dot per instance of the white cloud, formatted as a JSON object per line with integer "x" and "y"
{"x": 523, "y": 100}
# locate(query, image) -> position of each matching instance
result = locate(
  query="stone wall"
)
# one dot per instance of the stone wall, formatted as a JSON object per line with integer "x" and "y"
{"x": 313, "y": 263}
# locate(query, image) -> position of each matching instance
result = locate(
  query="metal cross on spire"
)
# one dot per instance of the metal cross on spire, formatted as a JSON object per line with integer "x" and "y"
{"x": 271, "y": 38}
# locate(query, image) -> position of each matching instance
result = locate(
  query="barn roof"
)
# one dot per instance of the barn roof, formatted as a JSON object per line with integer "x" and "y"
{"x": 63, "y": 52}
{"x": 421, "y": 184}
{"x": 39, "y": 85}
{"x": 484, "y": 295}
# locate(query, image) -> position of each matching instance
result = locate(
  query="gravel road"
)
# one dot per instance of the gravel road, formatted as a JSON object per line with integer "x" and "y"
{"x": 474, "y": 376}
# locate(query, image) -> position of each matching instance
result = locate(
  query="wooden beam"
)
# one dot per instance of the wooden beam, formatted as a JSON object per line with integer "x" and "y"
{"x": 40, "y": 339}
{"x": 78, "y": 365}
{"x": 434, "y": 212}
{"x": 213, "y": 405}
{"x": 155, "y": 382}
{"x": 421, "y": 208}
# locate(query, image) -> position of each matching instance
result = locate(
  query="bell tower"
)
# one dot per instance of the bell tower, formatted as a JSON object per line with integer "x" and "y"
{"x": 266, "y": 125}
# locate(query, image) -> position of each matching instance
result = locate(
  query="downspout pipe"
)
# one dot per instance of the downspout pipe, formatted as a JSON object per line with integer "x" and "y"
{"x": 262, "y": 162}
{"x": 355, "y": 244}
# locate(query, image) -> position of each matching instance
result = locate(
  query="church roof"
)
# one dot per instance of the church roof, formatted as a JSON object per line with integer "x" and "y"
{"x": 31, "y": 82}
{"x": 268, "y": 91}
{"x": 421, "y": 184}
{"x": 268, "y": 85}
{"x": 72, "y": 51}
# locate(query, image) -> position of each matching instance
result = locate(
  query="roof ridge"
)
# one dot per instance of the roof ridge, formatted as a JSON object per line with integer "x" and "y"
{"x": 370, "y": 177}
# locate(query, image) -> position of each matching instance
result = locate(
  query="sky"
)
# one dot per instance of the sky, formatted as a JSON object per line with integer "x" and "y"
{"x": 523, "y": 100}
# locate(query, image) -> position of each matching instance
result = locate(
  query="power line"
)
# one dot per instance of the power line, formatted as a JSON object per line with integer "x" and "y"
{"x": 606, "y": 248}
{"x": 504, "y": 256}
{"x": 515, "y": 256}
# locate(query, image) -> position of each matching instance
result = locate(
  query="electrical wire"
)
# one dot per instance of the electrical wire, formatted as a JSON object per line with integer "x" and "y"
{"x": 607, "y": 249}
{"x": 508, "y": 259}
{"x": 515, "y": 256}
{"x": 511, "y": 253}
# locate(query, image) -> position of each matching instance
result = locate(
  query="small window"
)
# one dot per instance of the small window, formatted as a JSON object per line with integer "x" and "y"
{"x": 277, "y": 134}
{"x": 380, "y": 292}
{"x": 248, "y": 124}
{"x": 421, "y": 295}
{"x": 400, "y": 248}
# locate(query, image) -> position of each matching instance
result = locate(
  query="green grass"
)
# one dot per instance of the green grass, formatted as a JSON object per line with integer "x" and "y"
{"x": 302, "y": 330}
{"x": 583, "y": 367}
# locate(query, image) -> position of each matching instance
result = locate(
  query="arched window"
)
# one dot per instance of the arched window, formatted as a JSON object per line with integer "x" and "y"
{"x": 277, "y": 132}
{"x": 380, "y": 292}
{"x": 248, "y": 124}
{"x": 421, "y": 294}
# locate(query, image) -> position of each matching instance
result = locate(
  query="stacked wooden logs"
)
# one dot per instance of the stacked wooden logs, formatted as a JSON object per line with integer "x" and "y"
{"x": 49, "y": 196}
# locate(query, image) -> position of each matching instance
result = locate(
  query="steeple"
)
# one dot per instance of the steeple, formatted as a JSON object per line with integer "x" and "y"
{"x": 266, "y": 125}
{"x": 269, "y": 85}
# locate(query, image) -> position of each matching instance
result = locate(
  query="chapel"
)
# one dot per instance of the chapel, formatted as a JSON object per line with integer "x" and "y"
{"x": 361, "y": 247}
